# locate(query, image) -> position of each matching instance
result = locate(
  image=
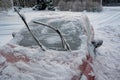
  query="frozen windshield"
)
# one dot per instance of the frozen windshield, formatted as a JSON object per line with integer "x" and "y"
{"x": 70, "y": 27}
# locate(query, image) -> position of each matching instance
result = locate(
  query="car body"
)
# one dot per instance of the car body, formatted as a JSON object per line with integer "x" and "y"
{"x": 55, "y": 63}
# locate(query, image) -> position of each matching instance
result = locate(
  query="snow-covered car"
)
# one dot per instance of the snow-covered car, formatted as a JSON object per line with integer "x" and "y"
{"x": 67, "y": 54}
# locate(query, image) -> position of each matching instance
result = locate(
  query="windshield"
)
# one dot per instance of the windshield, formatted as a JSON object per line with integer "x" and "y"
{"x": 70, "y": 28}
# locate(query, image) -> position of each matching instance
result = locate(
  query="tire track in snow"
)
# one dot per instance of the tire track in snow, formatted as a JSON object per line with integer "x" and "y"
{"x": 107, "y": 28}
{"x": 110, "y": 19}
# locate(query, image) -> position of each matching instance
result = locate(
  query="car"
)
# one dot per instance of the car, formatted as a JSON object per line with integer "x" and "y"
{"x": 57, "y": 46}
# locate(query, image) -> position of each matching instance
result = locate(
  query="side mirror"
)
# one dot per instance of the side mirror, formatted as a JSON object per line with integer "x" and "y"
{"x": 13, "y": 34}
{"x": 97, "y": 43}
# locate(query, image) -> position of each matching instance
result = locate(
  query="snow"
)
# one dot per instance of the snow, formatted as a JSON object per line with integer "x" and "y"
{"x": 33, "y": 64}
{"x": 106, "y": 63}
{"x": 9, "y": 23}
{"x": 2, "y": 59}
{"x": 107, "y": 28}
{"x": 49, "y": 65}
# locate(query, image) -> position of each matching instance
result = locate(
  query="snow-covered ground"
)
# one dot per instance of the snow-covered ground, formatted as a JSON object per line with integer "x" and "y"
{"x": 106, "y": 25}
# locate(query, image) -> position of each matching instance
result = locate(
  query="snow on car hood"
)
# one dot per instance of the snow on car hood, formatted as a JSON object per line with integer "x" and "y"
{"x": 21, "y": 63}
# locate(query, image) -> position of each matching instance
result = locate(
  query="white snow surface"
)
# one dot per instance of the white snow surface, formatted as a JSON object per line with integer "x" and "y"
{"x": 107, "y": 27}
{"x": 106, "y": 63}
